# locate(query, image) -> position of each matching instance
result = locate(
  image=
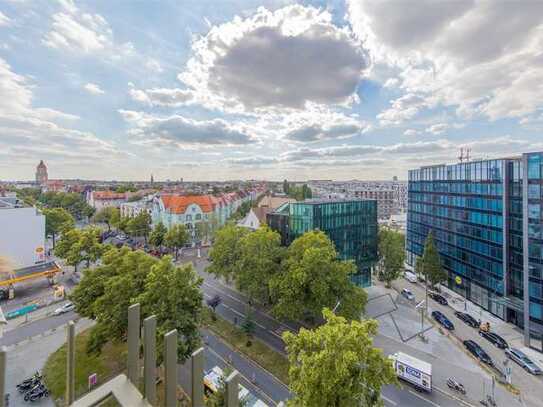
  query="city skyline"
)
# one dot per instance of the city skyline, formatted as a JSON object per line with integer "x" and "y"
{"x": 102, "y": 90}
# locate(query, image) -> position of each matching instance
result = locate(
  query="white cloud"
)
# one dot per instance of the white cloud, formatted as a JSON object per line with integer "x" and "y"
{"x": 30, "y": 133}
{"x": 283, "y": 59}
{"x": 179, "y": 131}
{"x": 4, "y": 20}
{"x": 443, "y": 59}
{"x": 391, "y": 83}
{"x": 153, "y": 65}
{"x": 162, "y": 96}
{"x": 93, "y": 89}
{"x": 402, "y": 109}
{"x": 411, "y": 132}
{"x": 321, "y": 131}
{"x": 437, "y": 129}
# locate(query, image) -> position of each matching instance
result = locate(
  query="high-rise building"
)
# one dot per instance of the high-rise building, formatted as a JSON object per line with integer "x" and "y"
{"x": 487, "y": 220}
{"x": 41, "y": 173}
{"x": 350, "y": 224}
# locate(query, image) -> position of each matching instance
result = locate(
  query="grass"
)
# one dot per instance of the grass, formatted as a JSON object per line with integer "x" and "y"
{"x": 269, "y": 359}
{"x": 109, "y": 363}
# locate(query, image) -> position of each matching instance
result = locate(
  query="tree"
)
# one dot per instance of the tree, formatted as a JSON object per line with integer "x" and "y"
{"x": 157, "y": 235}
{"x": 57, "y": 220}
{"x": 71, "y": 201}
{"x": 107, "y": 215}
{"x": 248, "y": 326}
{"x": 285, "y": 186}
{"x": 260, "y": 256}
{"x": 67, "y": 248}
{"x": 140, "y": 225}
{"x": 312, "y": 277}
{"x": 173, "y": 295}
{"x": 392, "y": 255}
{"x": 431, "y": 262}
{"x": 226, "y": 251}
{"x": 336, "y": 364}
{"x": 77, "y": 245}
{"x": 176, "y": 238}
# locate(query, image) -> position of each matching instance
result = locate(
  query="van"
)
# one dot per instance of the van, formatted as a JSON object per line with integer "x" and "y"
{"x": 411, "y": 277}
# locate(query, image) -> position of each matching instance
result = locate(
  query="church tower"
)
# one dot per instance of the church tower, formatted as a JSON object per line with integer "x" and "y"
{"x": 41, "y": 173}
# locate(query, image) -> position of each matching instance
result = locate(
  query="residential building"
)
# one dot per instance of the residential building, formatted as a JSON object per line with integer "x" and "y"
{"x": 391, "y": 196}
{"x": 486, "y": 217}
{"x": 250, "y": 221}
{"x": 171, "y": 209}
{"x": 350, "y": 224}
{"x": 103, "y": 199}
{"x": 22, "y": 236}
{"x": 133, "y": 209}
{"x": 41, "y": 173}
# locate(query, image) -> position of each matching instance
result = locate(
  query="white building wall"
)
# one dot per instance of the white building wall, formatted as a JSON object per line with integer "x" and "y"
{"x": 22, "y": 236}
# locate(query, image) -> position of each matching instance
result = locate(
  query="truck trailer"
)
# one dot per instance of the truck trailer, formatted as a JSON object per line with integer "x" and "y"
{"x": 413, "y": 370}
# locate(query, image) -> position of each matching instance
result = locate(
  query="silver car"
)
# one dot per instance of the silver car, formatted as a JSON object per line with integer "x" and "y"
{"x": 65, "y": 308}
{"x": 523, "y": 361}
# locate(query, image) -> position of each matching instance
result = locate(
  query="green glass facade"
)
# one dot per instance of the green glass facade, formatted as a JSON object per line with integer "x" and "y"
{"x": 350, "y": 224}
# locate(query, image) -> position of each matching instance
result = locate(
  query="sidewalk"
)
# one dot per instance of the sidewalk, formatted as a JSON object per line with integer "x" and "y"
{"x": 529, "y": 385}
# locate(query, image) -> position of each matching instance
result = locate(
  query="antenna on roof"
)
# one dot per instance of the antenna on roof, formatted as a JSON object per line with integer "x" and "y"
{"x": 468, "y": 152}
{"x": 461, "y": 157}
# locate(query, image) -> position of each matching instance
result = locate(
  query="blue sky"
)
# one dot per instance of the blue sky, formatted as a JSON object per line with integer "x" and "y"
{"x": 239, "y": 89}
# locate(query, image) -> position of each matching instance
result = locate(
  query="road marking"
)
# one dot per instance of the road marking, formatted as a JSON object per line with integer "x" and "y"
{"x": 423, "y": 398}
{"x": 389, "y": 401}
{"x": 227, "y": 363}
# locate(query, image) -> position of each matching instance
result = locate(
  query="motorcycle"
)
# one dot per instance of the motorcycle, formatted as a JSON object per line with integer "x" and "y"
{"x": 38, "y": 394}
{"x": 30, "y": 380}
{"x": 456, "y": 386}
{"x": 23, "y": 388}
{"x": 38, "y": 388}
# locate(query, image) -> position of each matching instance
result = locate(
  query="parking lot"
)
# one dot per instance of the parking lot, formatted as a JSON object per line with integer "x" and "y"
{"x": 531, "y": 387}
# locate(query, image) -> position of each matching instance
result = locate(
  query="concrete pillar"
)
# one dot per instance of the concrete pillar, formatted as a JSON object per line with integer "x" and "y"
{"x": 134, "y": 344}
{"x": 232, "y": 389}
{"x": 170, "y": 368}
{"x": 70, "y": 363}
{"x": 149, "y": 359}
{"x": 197, "y": 377}
{"x": 3, "y": 363}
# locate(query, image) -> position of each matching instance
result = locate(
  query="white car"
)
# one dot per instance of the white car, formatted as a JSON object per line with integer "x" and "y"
{"x": 65, "y": 308}
{"x": 408, "y": 294}
{"x": 411, "y": 277}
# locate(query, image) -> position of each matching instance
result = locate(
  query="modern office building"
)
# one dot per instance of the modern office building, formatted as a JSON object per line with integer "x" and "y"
{"x": 486, "y": 217}
{"x": 350, "y": 224}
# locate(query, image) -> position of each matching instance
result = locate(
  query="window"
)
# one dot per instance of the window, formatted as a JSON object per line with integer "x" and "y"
{"x": 534, "y": 191}
{"x": 188, "y": 218}
{"x": 534, "y": 211}
{"x": 534, "y": 167}
{"x": 198, "y": 216}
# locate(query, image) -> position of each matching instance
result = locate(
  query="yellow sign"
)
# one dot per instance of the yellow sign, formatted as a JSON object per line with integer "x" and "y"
{"x": 458, "y": 280}
{"x": 39, "y": 249}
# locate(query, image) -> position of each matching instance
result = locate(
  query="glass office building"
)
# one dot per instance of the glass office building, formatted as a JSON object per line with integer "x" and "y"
{"x": 486, "y": 217}
{"x": 350, "y": 224}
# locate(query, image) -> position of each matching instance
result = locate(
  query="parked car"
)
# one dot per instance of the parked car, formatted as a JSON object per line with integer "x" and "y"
{"x": 474, "y": 348}
{"x": 69, "y": 306}
{"x": 523, "y": 361}
{"x": 496, "y": 339}
{"x": 442, "y": 320}
{"x": 467, "y": 319}
{"x": 411, "y": 277}
{"x": 438, "y": 298}
{"x": 408, "y": 294}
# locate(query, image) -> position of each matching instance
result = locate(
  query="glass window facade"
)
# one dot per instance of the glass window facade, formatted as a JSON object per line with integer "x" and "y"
{"x": 476, "y": 211}
{"x": 350, "y": 225}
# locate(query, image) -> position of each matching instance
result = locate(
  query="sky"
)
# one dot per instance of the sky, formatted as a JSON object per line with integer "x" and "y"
{"x": 265, "y": 89}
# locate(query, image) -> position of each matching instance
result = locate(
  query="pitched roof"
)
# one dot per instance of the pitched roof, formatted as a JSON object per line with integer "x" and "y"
{"x": 104, "y": 195}
{"x": 274, "y": 202}
{"x": 179, "y": 203}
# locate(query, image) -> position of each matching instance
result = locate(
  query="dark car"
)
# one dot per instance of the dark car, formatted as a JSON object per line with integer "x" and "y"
{"x": 443, "y": 320}
{"x": 438, "y": 298}
{"x": 214, "y": 302}
{"x": 467, "y": 319}
{"x": 496, "y": 339}
{"x": 478, "y": 352}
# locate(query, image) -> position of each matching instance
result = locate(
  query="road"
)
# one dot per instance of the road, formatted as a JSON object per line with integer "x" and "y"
{"x": 234, "y": 308}
{"x": 529, "y": 385}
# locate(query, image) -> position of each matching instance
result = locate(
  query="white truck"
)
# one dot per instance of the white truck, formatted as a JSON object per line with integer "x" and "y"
{"x": 413, "y": 370}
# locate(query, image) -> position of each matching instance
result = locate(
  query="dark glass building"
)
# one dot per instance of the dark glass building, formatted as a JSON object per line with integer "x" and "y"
{"x": 486, "y": 217}
{"x": 350, "y": 224}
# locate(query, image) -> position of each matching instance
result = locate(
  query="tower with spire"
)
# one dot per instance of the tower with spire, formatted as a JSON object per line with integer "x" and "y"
{"x": 41, "y": 173}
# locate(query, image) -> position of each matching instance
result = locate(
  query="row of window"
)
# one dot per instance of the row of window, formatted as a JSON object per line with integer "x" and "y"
{"x": 488, "y": 204}
{"x": 473, "y": 188}
{"x": 479, "y": 218}
{"x": 478, "y": 232}
{"x": 535, "y": 166}
{"x": 445, "y": 249}
{"x": 475, "y": 170}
